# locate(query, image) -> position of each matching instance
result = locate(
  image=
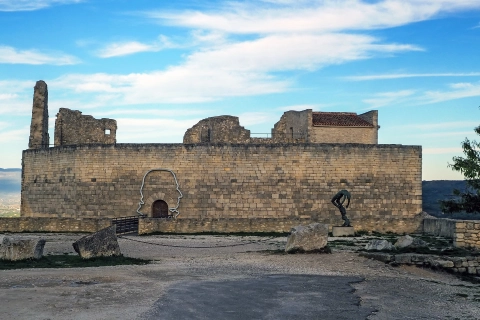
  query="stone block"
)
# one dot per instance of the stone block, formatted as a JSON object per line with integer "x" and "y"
{"x": 343, "y": 231}
{"x": 409, "y": 242}
{"x": 404, "y": 258}
{"x": 380, "y": 256}
{"x": 100, "y": 244}
{"x": 379, "y": 244}
{"x": 21, "y": 248}
{"x": 308, "y": 238}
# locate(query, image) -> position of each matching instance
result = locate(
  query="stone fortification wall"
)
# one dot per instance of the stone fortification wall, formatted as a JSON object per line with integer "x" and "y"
{"x": 33, "y": 224}
{"x": 290, "y": 181}
{"x": 72, "y": 128}
{"x": 465, "y": 233}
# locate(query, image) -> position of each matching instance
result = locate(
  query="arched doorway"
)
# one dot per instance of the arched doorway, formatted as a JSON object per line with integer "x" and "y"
{"x": 160, "y": 209}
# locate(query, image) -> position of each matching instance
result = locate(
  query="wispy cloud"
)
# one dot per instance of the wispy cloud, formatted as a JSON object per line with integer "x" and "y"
{"x": 10, "y": 55}
{"x": 457, "y": 91}
{"x": 409, "y": 75}
{"x": 388, "y": 98}
{"x": 442, "y": 150}
{"x": 131, "y": 47}
{"x": 152, "y": 130}
{"x": 14, "y": 135}
{"x": 311, "y": 16}
{"x": 29, "y": 5}
{"x": 301, "y": 107}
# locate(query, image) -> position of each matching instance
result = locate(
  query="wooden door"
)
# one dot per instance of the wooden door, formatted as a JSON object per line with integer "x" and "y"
{"x": 160, "y": 209}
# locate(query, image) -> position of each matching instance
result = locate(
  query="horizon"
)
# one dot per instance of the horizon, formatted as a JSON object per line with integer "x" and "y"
{"x": 159, "y": 68}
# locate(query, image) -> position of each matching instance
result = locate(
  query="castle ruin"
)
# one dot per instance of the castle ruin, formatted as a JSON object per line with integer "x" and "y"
{"x": 228, "y": 180}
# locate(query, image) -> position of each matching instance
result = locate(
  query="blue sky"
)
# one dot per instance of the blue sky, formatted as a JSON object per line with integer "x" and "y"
{"x": 158, "y": 67}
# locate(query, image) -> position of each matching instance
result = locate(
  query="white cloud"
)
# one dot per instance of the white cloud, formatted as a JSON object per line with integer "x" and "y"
{"x": 11, "y": 55}
{"x": 15, "y": 135}
{"x": 152, "y": 130}
{"x": 286, "y": 16}
{"x": 31, "y": 5}
{"x": 131, "y": 47}
{"x": 442, "y": 150}
{"x": 459, "y": 91}
{"x": 18, "y": 100}
{"x": 388, "y": 98}
{"x": 180, "y": 84}
{"x": 409, "y": 75}
{"x": 300, "y": 107}
{"x": 253, "y": 118}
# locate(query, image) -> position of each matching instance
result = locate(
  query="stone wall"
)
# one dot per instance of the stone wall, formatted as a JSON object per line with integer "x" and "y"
{"x": 343, "y": 135}
{"x": 293, "y": 126}
{"x": 33, "y": 224}
{"x": 149, "y": 225}
{"x": 465, "y": 233}
{"x": 39, "y": 137}
{"x": 217, "y": 130}
{"x": 72, "y": 128}
{"x": 287, "y": 181}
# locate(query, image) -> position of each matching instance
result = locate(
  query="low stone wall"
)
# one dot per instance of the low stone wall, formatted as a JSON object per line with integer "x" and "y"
{"x": 222, "y": 225}
{"x": 226, "y": 225}
{"x": 464, "y": 265}
{"x": 53, "y": 224}
{"x": 465, "y": 233}
{"x": 150, "y": 225}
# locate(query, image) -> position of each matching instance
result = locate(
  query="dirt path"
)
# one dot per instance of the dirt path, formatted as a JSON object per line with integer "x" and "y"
{"x": 134, "y": 292}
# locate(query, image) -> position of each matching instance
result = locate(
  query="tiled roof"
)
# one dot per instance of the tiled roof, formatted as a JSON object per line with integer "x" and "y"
{"x": 339, "y": 119}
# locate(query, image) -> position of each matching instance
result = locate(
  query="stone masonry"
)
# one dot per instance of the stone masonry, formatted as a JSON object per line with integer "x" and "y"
{"x": 73, "y": 128}
{"x": 39, "y": 138}
{"x": 224, "y": 181}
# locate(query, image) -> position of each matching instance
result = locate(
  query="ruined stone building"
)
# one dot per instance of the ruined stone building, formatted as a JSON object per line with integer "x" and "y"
{"x": 220, "y": 178}
{"x": 293, "y": 127}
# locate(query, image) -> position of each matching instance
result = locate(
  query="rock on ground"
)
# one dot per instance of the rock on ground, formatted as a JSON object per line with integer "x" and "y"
{"x": 21, "y": 248}
{"x": 408, "y": 241}
{"x": 378, "y": 244}
{"x": 102, "y": 243}
{"x": 313, "y": 237}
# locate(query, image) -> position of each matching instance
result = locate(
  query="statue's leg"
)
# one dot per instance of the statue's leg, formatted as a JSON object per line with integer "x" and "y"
{"x": 346, "y": 222}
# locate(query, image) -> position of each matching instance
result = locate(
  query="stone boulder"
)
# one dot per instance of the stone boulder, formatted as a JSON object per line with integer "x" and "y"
{"x": 410, "y": 242}
{"x": 102, "y": 243}
{"x": 311, "y": 238}
{"x": 15, "y": 248}
{"x": 379, "y": 244}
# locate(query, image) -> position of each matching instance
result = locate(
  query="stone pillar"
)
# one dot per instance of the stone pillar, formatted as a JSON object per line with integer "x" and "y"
{"x": 39, "y": 138}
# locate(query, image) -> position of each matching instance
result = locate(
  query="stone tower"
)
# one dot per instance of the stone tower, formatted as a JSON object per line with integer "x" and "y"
{"x": 39, "y": 138}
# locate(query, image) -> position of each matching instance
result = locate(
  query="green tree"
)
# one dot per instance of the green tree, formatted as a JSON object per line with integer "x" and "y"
{"x": 469, "y": 166}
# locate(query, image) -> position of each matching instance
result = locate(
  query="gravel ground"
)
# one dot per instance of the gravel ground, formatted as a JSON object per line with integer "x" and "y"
{"x": 127, "y": 292}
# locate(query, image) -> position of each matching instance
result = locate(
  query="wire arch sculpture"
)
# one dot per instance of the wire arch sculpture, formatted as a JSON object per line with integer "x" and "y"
{"x": 174, "y": 210}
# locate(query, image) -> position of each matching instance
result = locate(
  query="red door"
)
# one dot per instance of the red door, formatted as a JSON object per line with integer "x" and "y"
{"x": 160, "y": 209}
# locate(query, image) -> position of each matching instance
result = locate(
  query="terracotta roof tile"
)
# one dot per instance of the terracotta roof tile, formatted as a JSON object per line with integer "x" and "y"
{"x": 339, "y": 119}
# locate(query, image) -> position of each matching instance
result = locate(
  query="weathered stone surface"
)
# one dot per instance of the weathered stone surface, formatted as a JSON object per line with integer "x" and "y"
{"x": 73, "y": 128}
{"x": 312, "y": 237}
{"x": 21, "y": 248}
{"x": 39, "y": 138}
{"x": 380, "y": 256}
{"x": 379, "y": 244}
{"x": 405, "y": 258}
{"x": 343, "y": 231}
{"x": 100, "y": 244}
{"x": 410, "y": 242}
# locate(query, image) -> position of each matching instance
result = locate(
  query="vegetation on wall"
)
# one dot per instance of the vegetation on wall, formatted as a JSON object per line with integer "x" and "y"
{"x": 469, "y": 199}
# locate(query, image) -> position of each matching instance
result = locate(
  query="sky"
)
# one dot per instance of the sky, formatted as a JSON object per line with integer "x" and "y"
{"x": 158, "y": 67}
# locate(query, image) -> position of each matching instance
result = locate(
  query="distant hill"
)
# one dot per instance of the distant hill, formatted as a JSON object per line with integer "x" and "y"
{"x": 10, "y": 180}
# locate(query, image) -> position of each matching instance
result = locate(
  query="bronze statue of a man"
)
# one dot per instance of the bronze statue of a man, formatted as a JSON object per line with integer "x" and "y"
{"x": 338, "y": 201}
